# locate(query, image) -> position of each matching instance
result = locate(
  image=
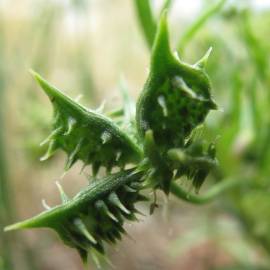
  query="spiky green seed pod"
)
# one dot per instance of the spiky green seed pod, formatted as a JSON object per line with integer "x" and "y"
{"x": 175, "y": 100}
{"x": 95, "y": 215}
{"x": 85, "y": 134}
{"x": 194, "y": 162}
{"x": 176, "y": 97}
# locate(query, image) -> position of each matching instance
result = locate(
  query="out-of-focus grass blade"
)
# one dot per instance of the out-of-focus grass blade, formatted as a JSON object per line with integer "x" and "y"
{"x": 232, "y": 124}
{"x": 254, "y": 46}
{"x": 146, "y": 19}
{"x": 85, "y": 74}
{"x": 6, "y": 210}
{"x": 254, "y": 105}
{"x": 166, "y": 5}
{"x": 198, "y": 24}
{"x": 260, "y": 60}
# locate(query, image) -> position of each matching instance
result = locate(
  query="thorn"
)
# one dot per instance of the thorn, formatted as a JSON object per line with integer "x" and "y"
{"x": 118, "y": 156}
{"x": 56, "y": 116}
{"x": 111, "y": 238}
{"x": 139, "y": 212}
{"x": 175, "y": 53}
{"x": 98, "y": 257}
{"x": 113, "y": 198}
{"x": 141, "y": 198}
{"x": 72, "y": 157}
{"x": 203, "y": 61}
{"x": 63, "y": 175}
{"x": 82, "y": 228}
{"x": 45, "y": 205}
{"x": 78, "y": 98}
{"x": 117, "y": 234}
{"x": 162, "y": 102}
{"x": 71, "y": 124}
{"x": 82, "y": 168}
{"x": 53, "y": 134}
{"x": 100, "y": 109}
{"x": 179, "y": 82}
{"x": 106, "y": 136}
{"x": 51, "y": 149}
{"x": 212, "y": 104}
{"x": 122, "y": 166}
{"x": 100, "y": 205}
{"x": 129, "y": 189}
{"x": 95, "y": 168}
{"x": 132, "y": 217}
{"x": 84, "y": 256}
{"x": 123, "y": 231}
{"x": 109, "y": 167}
{"x": 95, "y": 257}
{"x": 63, "y": 195}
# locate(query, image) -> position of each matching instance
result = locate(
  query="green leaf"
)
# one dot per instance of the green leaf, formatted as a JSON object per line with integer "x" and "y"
{"x": 85, "y": 134}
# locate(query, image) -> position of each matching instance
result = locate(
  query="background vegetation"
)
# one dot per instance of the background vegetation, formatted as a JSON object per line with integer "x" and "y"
{"x": 91, "y": 47}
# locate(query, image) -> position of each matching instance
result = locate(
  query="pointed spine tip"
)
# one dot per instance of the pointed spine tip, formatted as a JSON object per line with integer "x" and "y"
{"x": 71, "y": 123}
{"x": 51, "y": 149}
{"x": 82, "y": 228}
{"x": 53, "y": 134}
{"x": 45, "y": 205}
{"x": 63, "y": 195}
{"x": 38, "y": 78}
{"x": 100, "y": 205}
{"x": 203, "y": 61}
{"x": 72, "y": 157}
{"x": 51, "y": 91}
{"x": 161, "y": 55}
{"x": 113, "y": 198}
{"x": 17, "y": 226}
{"x": 10, "y": 228}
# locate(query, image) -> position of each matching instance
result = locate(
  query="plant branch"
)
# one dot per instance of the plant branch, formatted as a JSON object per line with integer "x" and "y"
{"x": 210, "y": 195}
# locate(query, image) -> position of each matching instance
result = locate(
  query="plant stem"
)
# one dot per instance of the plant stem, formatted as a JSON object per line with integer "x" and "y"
{"x": 210, "y": 195}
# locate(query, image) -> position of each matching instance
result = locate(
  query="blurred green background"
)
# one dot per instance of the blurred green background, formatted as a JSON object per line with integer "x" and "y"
{"x": 86, "y": 48}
